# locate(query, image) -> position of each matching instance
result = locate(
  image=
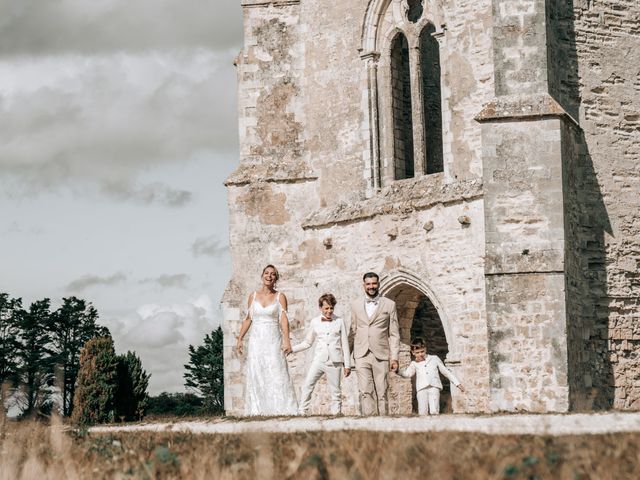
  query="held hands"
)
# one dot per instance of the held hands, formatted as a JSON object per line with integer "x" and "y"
{"x": 286, "y": 347}
{"x": 394, "y": 366}
{"x": 239, "y": 348}
{"x": 347, "y": 372}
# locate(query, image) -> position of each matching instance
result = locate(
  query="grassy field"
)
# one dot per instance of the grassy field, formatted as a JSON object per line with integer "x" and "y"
{"x": 31, "y": 450}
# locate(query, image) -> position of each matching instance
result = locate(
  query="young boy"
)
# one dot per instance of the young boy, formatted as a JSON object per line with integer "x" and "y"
{"x": 330, "y": 356}
{"x": 427, "y": 369}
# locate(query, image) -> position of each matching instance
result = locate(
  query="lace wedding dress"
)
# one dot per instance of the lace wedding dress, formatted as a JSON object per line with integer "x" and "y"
{"x": 268, "y": 388}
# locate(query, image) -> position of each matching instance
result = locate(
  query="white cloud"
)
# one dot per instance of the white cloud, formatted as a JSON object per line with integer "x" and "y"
{"x": 161, "y": 335}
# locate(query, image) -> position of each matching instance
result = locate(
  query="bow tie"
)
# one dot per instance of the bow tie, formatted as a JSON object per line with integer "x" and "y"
{"x": 372, "y": 300}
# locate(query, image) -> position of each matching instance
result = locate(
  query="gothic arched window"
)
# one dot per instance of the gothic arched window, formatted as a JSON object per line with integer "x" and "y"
{"x": 405, "y": 101}
{"x": 432, "y": 100}
{"x": 402, "y": 114}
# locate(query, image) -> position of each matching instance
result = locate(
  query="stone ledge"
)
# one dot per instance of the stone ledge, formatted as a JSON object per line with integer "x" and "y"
{"x": 502, "y": 424}
{"x": 401, "y": 197}
{"x": 266, "y": 3}
{"x": 273, "y": 172}
{"x": 522, "y": 107}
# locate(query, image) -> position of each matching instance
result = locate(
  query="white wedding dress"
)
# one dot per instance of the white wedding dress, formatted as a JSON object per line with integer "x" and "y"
{"x": 268, "y": 388}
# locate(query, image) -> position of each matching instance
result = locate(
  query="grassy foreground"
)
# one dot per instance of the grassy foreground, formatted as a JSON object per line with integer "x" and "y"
{"x": 30, "y": 450}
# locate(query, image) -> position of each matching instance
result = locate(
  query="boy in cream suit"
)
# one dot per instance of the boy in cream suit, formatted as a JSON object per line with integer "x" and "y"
{"x": 331, "y": 354}
{"x": 427, "y": 369}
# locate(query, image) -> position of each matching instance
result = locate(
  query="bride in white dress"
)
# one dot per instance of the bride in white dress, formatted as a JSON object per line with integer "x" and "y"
{"x": 268, "y": 388}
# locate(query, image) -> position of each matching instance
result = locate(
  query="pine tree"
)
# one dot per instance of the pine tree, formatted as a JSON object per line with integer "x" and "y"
{"x": 34, "y": 354}
{"x": 131, "y": 395}
{"x": 97, "y": 383}
{"x": 71, "y": 326}
{"x": 205, "y": 371}
{"x": 10, "y": 311}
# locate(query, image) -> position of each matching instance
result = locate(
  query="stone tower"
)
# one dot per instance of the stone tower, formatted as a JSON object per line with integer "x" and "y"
{"x": 481, "y": 155}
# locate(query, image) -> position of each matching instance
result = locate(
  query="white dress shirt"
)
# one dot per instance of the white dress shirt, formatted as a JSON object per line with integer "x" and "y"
{"x": 371, "y": 304}
{"x": 331, "y": 341}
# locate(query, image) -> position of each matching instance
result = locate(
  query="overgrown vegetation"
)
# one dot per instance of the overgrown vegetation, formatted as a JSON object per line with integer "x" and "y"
{"x": 32, "y": 450}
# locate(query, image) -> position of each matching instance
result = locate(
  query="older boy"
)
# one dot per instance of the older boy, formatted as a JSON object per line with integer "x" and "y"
{"x": 427, "y": 369}
{"x": 331, "y": 354}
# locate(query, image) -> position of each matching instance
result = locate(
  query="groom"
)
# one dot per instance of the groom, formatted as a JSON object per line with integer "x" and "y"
{"x": 375, "y": 336}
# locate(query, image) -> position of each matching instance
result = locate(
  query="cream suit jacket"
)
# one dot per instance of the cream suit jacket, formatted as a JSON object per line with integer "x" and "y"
{"x": 428, "y": 373}
{"x": 330, "y": 339}
{"x": 380, "y": 333}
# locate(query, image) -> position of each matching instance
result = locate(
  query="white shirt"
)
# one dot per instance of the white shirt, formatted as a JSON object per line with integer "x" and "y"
{"x": 371, "y": 304}
{"x": 331, "y": 341}
{"x": 428, "y": 373}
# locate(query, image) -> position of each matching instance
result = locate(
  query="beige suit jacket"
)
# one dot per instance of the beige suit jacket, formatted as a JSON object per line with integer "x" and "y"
{"x": 380, "y": 333}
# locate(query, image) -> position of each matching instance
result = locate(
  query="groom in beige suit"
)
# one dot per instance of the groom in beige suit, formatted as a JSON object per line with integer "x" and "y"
{"x": 376, "y": 341}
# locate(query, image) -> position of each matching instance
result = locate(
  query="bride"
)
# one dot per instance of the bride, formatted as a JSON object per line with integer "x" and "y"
{"x": 268, "y": 389}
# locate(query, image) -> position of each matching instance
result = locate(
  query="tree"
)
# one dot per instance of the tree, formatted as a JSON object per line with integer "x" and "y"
{"x": 179, "y": 404}
{"x": 10, "y": 311}
{"x": 131, "y": 395}
{"x": 97, "y": 383}
{"x": 205, "y": 371}
{"x": 34, "y": 354}
{"x": 71, "y": 326}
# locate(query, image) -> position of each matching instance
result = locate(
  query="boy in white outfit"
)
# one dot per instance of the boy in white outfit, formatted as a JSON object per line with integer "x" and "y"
{"x": 427, "y": 369}
{"x": 331, "y": 354}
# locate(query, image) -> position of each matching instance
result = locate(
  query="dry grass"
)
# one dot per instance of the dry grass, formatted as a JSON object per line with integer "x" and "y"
{"x": 32, "y": 450}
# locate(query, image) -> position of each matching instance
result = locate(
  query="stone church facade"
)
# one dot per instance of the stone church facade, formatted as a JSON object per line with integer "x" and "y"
{"x": 483, "y": 156}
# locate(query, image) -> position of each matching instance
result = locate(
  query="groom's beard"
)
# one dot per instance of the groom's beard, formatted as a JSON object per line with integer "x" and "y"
{"x": 372, "y": 295}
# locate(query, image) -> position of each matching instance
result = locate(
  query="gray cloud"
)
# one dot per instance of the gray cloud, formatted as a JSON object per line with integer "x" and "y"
{"x": 17, "y": 228}
{"x": 154, "y": 193}
{"x": 209, "y": 247}
{"x": 69, "y": 122}
{"x": 87, "y": 281}
{"x": 36, "y": 27}
{"x": 178, "y": 280}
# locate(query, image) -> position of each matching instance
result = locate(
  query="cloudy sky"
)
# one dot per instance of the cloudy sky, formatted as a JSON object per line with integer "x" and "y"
{"x": 117, "y": 130}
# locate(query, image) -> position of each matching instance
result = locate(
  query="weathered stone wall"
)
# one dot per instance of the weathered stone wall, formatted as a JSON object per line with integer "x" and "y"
{"x": 446, "y": 257}
{"x": 525, "y": 265}
{"x": 604, "y": 39}
{"x": 553, "y": 309}
{"x": 298, "y": 198}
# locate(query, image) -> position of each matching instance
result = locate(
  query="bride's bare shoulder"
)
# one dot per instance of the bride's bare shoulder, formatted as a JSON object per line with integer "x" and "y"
{"x": 282, "y": 298}
{"x": 250, "y": 298}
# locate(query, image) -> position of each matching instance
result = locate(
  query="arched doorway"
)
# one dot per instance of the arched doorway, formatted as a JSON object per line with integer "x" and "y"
{"x": 417, "y": 317}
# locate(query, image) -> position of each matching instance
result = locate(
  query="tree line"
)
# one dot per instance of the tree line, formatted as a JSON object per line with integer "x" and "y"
{"x": 41, "y": 356}
{"x": 63, "y": 356}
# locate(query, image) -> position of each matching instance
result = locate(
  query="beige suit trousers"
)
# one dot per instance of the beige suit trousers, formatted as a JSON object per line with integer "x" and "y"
{"x": 372, "y": 383}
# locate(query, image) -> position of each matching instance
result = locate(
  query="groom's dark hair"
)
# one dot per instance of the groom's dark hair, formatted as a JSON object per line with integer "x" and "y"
{"x": 370, "y": 275}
